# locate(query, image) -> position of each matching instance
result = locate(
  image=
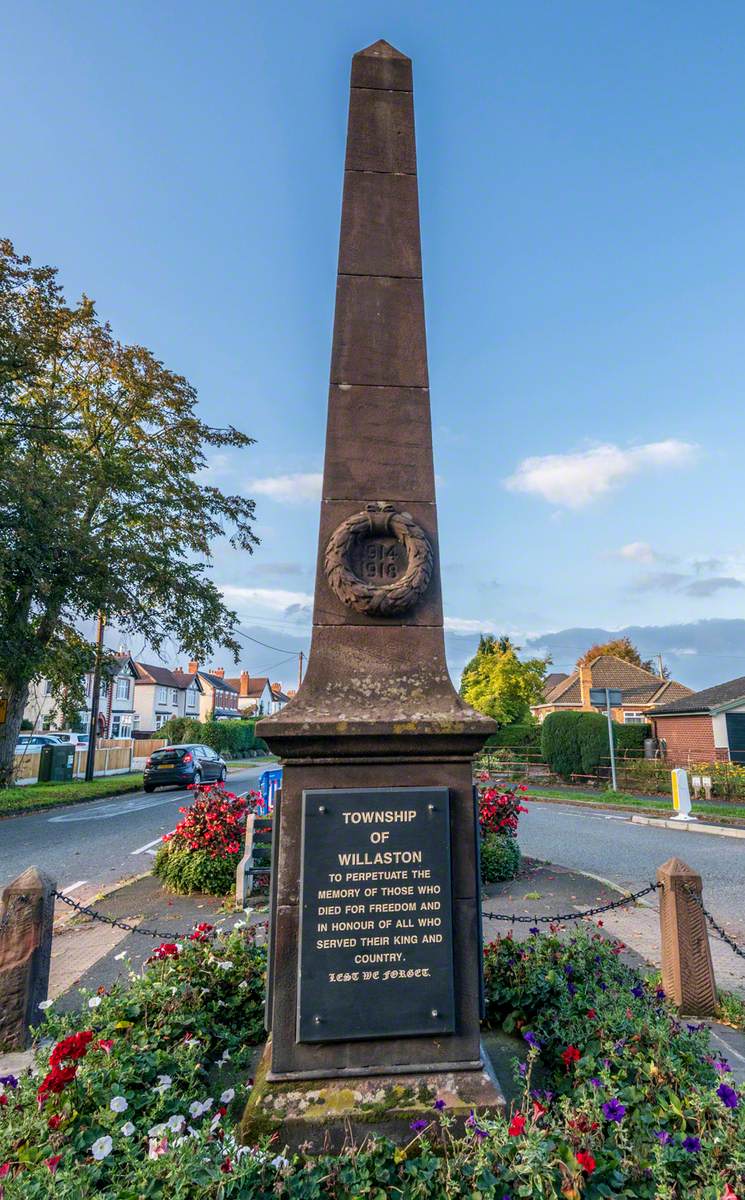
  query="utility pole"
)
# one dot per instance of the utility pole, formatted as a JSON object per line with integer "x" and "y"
{"x": 660, "y": 669}
{"x": 93, "y": 734}
{"x": 300, "y": 656}
{"x": 610, "y": 740}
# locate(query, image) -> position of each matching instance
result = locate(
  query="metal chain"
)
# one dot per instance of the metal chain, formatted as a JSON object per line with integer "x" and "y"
{"x": 574, "y": 916}
{"x": 725, "y": 937}
{"x": 86, "y": 911}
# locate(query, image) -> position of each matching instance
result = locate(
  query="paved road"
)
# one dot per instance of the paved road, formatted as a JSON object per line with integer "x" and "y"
{"x": 89, "y": 846}
{"x": 611, "y": 846}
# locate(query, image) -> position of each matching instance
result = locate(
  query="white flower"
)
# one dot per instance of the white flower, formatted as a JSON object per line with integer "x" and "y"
{"x": 215, "y": 1122}
{"x": 194, "y": 1043}
{"x": 163, "y": 1084}
{"x": 280, "y": 1161}
{"x": 102, "y": 1147}
{"x": 207, "y": 1104}
{"x": 195, "y": 1109}
{"x": 156, "y": 1148}
{"x": 118, "y": 1104}
{"x": 94, "y": 1001}
{"x": 239, "y": 924}
{"x": 127, "y": 1129}
{"x": 227, "y": 1096}
{"x": 225, "y": 966}
{"x": 243, "y": 983}
{"x": 45, "y": 1004}
{"x": 178, "y": 946}
{"x": 156, "y": 1131}
{"x": 118, "y": 957}
{"x": 176, "y": 1122}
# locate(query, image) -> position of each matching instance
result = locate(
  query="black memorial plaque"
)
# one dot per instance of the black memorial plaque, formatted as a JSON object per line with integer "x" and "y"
{"x": 376, "y": 942}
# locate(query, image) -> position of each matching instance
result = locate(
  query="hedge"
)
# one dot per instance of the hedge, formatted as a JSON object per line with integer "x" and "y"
{"x": 232, "y": 738}
{"x": 516, "y": 737}
{"x": 576, "y": 743}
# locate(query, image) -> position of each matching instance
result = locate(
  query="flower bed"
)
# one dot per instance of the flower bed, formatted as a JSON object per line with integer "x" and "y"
{"x": 202, "y": 853}
{"x": 618, "y": 1097}
{"x": 499, "y": 813}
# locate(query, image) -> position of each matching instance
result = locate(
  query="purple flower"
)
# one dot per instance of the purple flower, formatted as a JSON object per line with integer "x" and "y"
{"x": 571, "y": 989}
{"x": 596, "y": 1083}
{"x": 637, "y": 991}
{"x": 471, "y": 1122}
{"x": 694, "y": 1028}
{"x": 532, "y": 1040}
{"x": 479, "y": 1133}
{"x": 663, "y": 1137}
{"x": 417, "y": 1126}
{"x": 692, "y": 1144}
{"x": 659, "y": 993}
{"x": 728, "y": 1095}
{"x": 9, "y": 1081}
{"x": 603, "y": 987}
{"x": 722, "y": 1066}
{"x": 613, "y": 1110}
{"x": 569, "y": 969}
{"x": 523, "y": 1068}
{"x": 439, "y": 1105}
{"x": 534, "y": 929}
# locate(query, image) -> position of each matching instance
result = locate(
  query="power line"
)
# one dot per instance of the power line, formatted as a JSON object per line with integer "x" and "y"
{"x": 279, "y": 649}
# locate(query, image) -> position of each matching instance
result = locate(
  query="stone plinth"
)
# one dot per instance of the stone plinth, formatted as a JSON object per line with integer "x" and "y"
{"x": 327, "y": 1114}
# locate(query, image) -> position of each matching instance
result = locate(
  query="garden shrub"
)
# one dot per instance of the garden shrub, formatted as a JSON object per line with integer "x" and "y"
{"x": 203, "y": 852}
{"x": 631, "y": 1103}
{"x": 232, "y": 739}
{"x": 560, "y": 743}
{"x": 500, "y": 858}
{"x": 576, "y": 743}
{"x": 516, "y": 737}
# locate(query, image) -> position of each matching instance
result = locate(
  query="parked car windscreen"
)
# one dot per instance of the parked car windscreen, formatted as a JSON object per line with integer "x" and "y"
{"x": 169, "y": 754}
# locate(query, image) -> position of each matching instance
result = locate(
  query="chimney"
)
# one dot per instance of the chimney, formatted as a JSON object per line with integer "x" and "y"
{"x": 585, "y": 683}
{"x": 219, "y": 672}
{"x": 245, "y": 680}
{"x": 193, "y": 667}
{"x": 276, "y": 687}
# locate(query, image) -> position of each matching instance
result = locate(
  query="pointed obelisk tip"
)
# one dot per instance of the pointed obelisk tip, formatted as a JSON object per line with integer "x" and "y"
{"x": 381, "y": 65}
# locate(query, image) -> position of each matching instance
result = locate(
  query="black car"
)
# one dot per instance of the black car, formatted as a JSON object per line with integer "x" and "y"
{"x": 182, "y": 765}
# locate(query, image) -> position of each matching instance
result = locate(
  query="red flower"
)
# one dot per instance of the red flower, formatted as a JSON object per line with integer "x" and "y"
{"x": 226, "y": 1167}
{"x": 53, "y": 1162}
{"x": 165, "y": 950}
{"x": 104, "y": 1044}
{"x": 591, "y": 1014}
{"x": 56, "y": 1081}
{"x": 517, "y": 1125}
{"x": 586, "y": 1161}
{"x": 728, "y": 1194}
{"x": 538, "y": 1110}
{"x": 55, "y": 1121}
{"x": 570, "y": 1055}
{"x": 3, "y": 1099}
{"x": 74, "y": 1046}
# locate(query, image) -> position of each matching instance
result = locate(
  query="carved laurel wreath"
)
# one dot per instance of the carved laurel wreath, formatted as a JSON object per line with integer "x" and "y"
{"x": 383, "y": 599}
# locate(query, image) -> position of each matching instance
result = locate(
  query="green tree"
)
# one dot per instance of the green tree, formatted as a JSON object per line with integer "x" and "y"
{"x": 623, "y": 648}
{"x": 101, "y": 506}
{"x": 500, "y": 684}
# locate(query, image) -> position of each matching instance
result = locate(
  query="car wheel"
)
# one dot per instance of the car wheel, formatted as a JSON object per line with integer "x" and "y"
{"x": 149, "y": 787}
{"x": 197, "y": 780}
{"x": 223, "y": 774}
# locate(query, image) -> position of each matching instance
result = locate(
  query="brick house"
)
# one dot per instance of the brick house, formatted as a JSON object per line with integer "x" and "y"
{"x": 219, "y": 696}
{"x": 706, "y": 726}
{"x": 257, "y": 696}
{"x": 641, "y": 690}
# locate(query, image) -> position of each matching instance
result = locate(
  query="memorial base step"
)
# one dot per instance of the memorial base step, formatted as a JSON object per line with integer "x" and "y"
{"x": 328, "y": 1114}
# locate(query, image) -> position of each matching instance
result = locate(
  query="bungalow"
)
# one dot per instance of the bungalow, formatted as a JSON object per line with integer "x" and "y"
{"x": 161, "y": 693}
{"x": 706, "y": 726}
{"x": 641, "y": 690}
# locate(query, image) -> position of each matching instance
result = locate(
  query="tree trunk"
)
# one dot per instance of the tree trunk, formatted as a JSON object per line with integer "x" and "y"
{"x": 17, "y": 696}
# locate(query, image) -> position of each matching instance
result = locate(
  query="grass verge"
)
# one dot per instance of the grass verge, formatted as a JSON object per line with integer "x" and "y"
{"x": 729, "y": 813}
{"x": 47, "y": 795}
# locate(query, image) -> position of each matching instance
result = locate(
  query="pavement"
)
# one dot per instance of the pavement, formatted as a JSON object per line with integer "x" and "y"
{"x": 89, "y": 847}
{"x": 615, "y": 848}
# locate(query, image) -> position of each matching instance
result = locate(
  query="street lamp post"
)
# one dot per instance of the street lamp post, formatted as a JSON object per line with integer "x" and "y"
{"x": 608, "y": 698}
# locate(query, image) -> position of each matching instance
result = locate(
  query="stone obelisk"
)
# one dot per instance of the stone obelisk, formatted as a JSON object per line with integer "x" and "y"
{"x": 377, "y": 724}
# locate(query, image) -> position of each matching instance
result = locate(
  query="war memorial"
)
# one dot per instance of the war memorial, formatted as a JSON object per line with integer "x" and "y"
{"x": 374, "y": 990}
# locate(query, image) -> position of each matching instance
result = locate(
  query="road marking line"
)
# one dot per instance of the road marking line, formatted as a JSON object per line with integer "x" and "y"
{"x": 66, "y": 891}
{"x": 147, "y": 846}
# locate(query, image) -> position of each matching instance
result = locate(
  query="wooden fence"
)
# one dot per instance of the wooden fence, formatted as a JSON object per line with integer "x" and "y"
{"x": 113, "y": 756}
{"x": 144, "y": 747}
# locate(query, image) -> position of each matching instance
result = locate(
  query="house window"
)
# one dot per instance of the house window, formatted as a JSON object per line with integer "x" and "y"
{"x": 122, "y": 689}
{"x": 191, "y": 698}
{"x": 162, "y": 695}
{"x": 174, "y": 696}
{"x": 47, "y": 687}
{"x": 634, "y": 718}
{"x": 161, "y": 718}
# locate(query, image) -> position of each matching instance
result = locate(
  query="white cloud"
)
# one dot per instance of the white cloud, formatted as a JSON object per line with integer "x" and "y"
{"x": 574, "y": 480}
{"x": 289, "y": 489}
{"x": 275, "y": 599}
{"x": 466, "y": 625}
{"x": 638, "y": 552}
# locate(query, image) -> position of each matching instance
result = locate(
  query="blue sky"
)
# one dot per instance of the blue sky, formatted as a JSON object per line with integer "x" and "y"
{"x": 581, "y": 171}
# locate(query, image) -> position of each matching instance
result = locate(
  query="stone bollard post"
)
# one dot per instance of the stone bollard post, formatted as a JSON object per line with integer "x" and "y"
{"x": 687, "y": 970}
{"x": 26, "y": 917}
{"x": 242, "y": 891}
